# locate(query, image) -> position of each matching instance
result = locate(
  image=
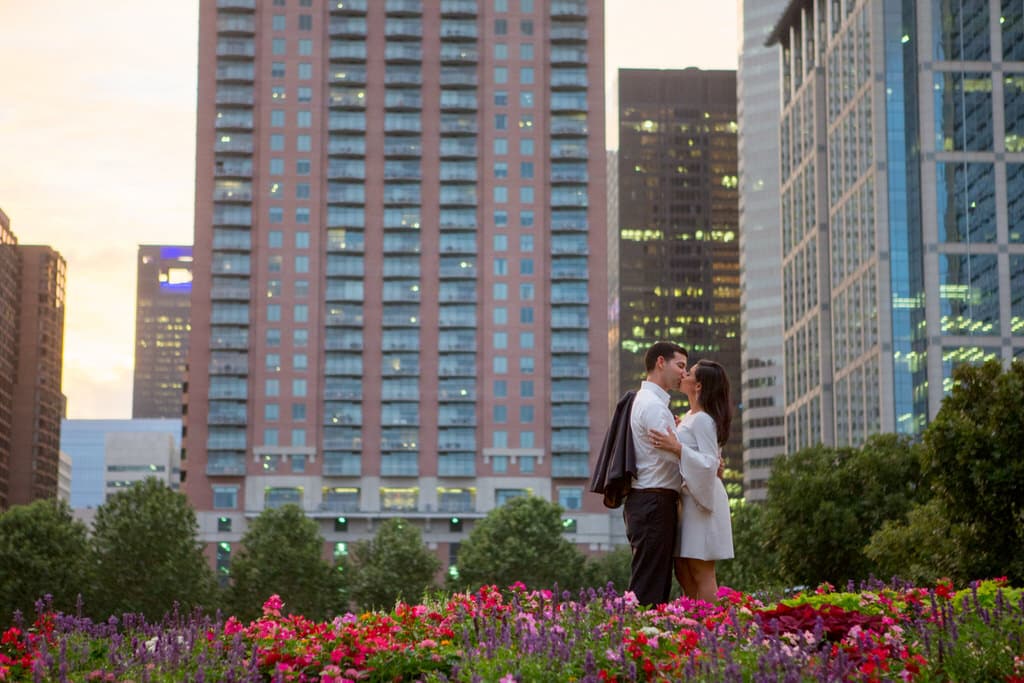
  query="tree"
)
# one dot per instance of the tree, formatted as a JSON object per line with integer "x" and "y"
{"x": 282, "y": 553}
{"x": 43, "y": 550}
{"x": 395, "y": 565}
{"x": 972, "y": 458}
{"x": 520, "y": 541}
{"x": 147, "y": 556}
{"x": 825, "y": 503}
{"x": 754, "y": 566}
{"x": 613, "y": 567}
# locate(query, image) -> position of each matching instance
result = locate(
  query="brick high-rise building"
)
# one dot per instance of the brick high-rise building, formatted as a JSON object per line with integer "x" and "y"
{"x": 162, "y": 302}
{"x": 32, "y": 281}
{"x": 679, "y": 276}
{"x": 399, "y": 289}
{"x": 10, "y": 280}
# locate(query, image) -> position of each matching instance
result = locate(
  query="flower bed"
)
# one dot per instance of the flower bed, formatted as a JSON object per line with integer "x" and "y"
{"x": 881, "y": 633}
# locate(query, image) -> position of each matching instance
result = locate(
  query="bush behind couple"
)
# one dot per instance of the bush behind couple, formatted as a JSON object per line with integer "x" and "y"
{"x": 676, "y": 510}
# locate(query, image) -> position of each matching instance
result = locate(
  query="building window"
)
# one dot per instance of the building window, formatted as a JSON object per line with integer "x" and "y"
{"x": 303, "y": 167}
{"x": 299, "y": 437}
{"x": 305, "y": 22}
{"x": 526, "y": 51}
{"x": 270, "y": 436}
{"x": 277, "y": 23}
{"x": 526, "y": 75}
{"x": 272, "y": 387}
{"x": 303, "y": 143}
{"x": 301, "y": 313}
{"x": 500, "y": 27}
{"x": 500, "y": 438}
{"x": 500, "y": 291}
{"x": 302, "y": 217}
{"x": 570, "y": 497}
{"x": 526, "y": 342}
{"x": 275, "y": 239}
{"x": 500, "y": 365}
{"x": 502, "y": 496}
{"x": 305, "y": 95}
{"x": 500, "y": 194}
{"x": 501, "y": 243}
{"x": 500, "y": 388}
{"x": 271, "y": 412}
{"x": 278, "y": 46}
{"x": 302, "y": 190}
{"x": 305, "y": 71}
{"x": 298, "y": 388}
{"x": 526, "y": 147}
{"x": 500, "y": 145}
{"x": 526, "y": 363}
{"x": 526, "y": 314}
{"x": 277, "y": 142}
{"x": 526, "y": 414}
{"x": 501, "y": 74}
{"x": 277, "y": 167}
{"x": 501, "y": 414}
{"x": 526, "y": 388}
{"x": 500, "y": 98}
{"x": 501, "y": 50}
{"x": 304, "y": 119}
{"x": 500, "y": 315}
{"x": 305, "y": 47}
{"x": 527, "y": 462}
{"x": 526, "y": 27}
{"x": 526, "y": 243}
{"x": 277, "y": 118}
{"x": 501, "y": 340}
{"x": 225, "y": 497}
{"x": 501, "y": 121}
{"x": 526, "y": 194}
{"x": 277, "y": 70}
{"x": 274, "y": 313}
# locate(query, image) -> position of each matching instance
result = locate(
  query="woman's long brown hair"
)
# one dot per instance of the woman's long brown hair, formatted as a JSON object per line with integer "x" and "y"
{"x": 714, "y": 396}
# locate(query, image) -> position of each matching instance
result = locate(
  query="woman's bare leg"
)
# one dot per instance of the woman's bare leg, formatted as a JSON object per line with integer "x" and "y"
{"x": 685, "y": 577}
{"x": 702, "y": 573}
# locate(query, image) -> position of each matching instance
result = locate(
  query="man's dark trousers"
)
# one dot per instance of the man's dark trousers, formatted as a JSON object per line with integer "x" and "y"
{"x": 651, "y": 517}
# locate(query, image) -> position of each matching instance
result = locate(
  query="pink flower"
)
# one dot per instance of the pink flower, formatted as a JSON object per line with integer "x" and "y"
{"x": 273, "y": 605}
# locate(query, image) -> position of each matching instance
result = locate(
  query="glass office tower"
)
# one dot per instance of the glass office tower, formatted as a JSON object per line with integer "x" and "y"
{"x": 679, "y": 272}
{"x": 398, "y": 296}
{"x": 901, "y": 176}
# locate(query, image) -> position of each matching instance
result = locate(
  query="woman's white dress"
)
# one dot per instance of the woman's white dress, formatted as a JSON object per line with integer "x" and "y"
{"x": 705, "y": 525}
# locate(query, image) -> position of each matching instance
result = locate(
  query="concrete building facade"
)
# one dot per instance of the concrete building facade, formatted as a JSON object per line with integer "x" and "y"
{"x": 398, "y": 296}
{"x": 902, "y": 170}
{"x": 163, "y": 298}
{"x": 760, "y": 245}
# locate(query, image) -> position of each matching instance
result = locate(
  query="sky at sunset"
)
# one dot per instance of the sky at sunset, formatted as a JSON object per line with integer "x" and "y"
{"x": 97, "y": 124}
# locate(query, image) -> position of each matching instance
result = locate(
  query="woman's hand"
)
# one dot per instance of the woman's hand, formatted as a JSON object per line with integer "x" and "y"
{"x": 666, "y": 441}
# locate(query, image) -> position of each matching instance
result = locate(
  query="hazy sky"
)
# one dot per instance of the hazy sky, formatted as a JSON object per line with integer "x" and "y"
{"x": 97, "y": 125}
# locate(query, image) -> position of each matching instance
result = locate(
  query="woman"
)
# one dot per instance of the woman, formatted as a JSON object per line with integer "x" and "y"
{"x": 706, "y": 527}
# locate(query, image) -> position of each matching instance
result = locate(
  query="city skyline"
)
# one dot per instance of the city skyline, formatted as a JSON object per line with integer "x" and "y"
{"x": 80, "y": 172}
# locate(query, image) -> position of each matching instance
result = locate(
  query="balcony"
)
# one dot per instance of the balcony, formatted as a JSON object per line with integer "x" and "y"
{"x": 238, "y": 72}
{"x": 347, "y": 52}
{"x": 345, "y": 316}
{"x": 568, "y": 81}
{"x": 236, "y": 24}
{"x": 565, "y": 55}
{"x": 222, "y": 465}
{"x": 403, "y": 52}
{"x": 446, "y": 369}
{"x": 403, "y": 29}
{"x": 348, "y": 6}
{"x": 233, "y": 143}
{"x": 340, "y": 505}
{"x": 242, "y": 5}
{"x": 347, "y": 74}
{"x": 229, "y": 292}
{"x": 458, "y": 147}
{"x": 236, "y": 49}
{"x": 457, "y": 100}
{"x": 569, "y": 371}
{"x": 570, "y": 346}
{"x": 568, "y": 8}
{"x": 568, "y": 33}
{"x": 458, "y": 78}
{"x": 238, "y": 340}
{"x": 463, "y": 125}
{"x": 455, "y": 268}
{"x": 460, "y": 195}
{"x": 458, "y": 30}
{"x": 452, "y": 8}
{"x": 230, "y": 364}
{"x": 403, "y": 76}
{"x": 457, "y": 395}
{"x": 562, "y": 126}
{"x": 567, "y": 150}
{"x": 347, "y": 98}
{"x": 229, "y": 96}
{"x": 570, "y": 466}
{"x": 347, "y": 122}
{"x": 347, "y": 27}
{"x": 404, "y": 7}
{"x": 405, "y": 147}
{"x": 346, "y": 146}
{"x": 402, "y": 243}
{"x": 228, "y": 419}
{"x": 558, "y": 396}
{"x": 452, "y": 53}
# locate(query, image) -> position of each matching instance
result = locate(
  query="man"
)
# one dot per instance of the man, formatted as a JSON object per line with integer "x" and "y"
{"x": 650, "y": 510}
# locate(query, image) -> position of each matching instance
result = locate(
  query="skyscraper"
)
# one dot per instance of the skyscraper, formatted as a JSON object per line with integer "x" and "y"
{"x": 760, "y": 245}
{"x": 398, "y": 301}
{"x": 161, "y": 330}
{"x": 678, "y": 221}
{"x": 903, "y": 252}
{"x": 10, "y": 280}
{"x": 31, "y": 349}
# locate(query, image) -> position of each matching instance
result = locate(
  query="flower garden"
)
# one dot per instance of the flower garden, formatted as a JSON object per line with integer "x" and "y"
{"x": 883, "y": 632}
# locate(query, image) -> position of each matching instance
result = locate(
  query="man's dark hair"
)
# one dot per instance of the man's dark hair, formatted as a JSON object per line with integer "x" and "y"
{"x": 661, "y": 349}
